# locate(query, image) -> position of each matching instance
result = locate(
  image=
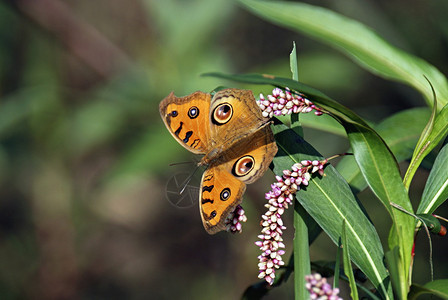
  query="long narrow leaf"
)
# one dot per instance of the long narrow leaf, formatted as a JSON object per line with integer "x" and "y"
{"x": 293, "y": 63}
{"x": 302, "y": 266}
{"x": 323, "y": 123}
{"x": 381, "y": 172}
{"x": 347, "y": 264}
{"x": 400, "y": 132}
{"x": 430, "y": 139}
{"x": 395, "y": 268}
{"x": 436, "y": 287}
{"x": 436, "y": 188}
{"x": 421, "y": 145}
{"x": 356, "y": 40}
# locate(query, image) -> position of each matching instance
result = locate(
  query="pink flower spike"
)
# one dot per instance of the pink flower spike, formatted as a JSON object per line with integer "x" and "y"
{"x": 286, "y": 102}
{"x": 281, "y": 194}
{"x": 234, "y": 220}
{"x": 318, "y": 288}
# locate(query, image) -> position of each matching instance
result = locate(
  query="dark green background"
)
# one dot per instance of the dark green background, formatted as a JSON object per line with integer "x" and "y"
{"x": 84, "y": 154}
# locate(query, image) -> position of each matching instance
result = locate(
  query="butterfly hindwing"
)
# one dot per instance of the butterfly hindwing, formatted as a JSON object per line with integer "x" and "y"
{"x": 249, "y": 158}
{"x": 220, "y": 193}
{"x": 223, "y": 185}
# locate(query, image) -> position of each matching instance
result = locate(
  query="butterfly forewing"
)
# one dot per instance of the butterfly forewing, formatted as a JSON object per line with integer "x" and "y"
{"x": 187, "y": 119}
{"x": 234, "y": 114}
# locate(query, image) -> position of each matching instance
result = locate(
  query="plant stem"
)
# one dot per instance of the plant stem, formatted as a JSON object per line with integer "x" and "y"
{"x": 301, "y": 252}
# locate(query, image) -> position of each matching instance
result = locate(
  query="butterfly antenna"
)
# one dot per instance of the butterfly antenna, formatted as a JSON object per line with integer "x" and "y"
{"x": 193, "y": 161}
{"x": 182, "y": 163}
{"x": 187, "y": 181}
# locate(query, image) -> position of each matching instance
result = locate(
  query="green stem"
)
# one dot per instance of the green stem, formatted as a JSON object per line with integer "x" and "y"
{"x": 301, "y": 252}
{"x": 337, "y": 265}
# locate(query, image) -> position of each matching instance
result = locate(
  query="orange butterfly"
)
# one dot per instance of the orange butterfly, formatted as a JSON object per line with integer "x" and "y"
{"x": 234, "y": 136}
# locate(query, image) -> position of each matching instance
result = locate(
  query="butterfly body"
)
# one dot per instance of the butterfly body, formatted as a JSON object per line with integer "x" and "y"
{"x": 236, "y": 140}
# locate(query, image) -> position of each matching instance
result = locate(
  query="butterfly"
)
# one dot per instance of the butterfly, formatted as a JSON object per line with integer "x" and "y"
{"x": 236, "y": 141}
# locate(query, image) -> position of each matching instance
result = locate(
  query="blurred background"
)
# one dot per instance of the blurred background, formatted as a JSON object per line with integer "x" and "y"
{"x": 84, "y": 155}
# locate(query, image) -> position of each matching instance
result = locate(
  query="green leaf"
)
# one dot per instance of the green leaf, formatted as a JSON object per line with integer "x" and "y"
{"x": 380, "y": 170}
{"x": 421, "y": 145}
{"x": 337, "y": 264}
{"x": 430, "y": 138}
{"x": 357, "y": 41}
{"x": 329, "y": 201}
{"x": 295, "y": 124}
{"x": 301, "y": 258}
{"x": 395, "y": 267}
{"x": 428, "y": 128}
{"x": 293, "y": 63}
{"x": 400, "y": 132}
{"x": 322, "y": 123}
{"x": 347, "y": 264}
{"x": 436, "y": 287}
{"x": 436, "y": 188}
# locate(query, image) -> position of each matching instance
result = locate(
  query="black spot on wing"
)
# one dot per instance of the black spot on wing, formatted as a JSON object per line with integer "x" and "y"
{"x": 187, "y": 136}
{"x": 209, "y": 217}
{"x": 207, "y": 188}
{"x": 208, "y": 177}
{"x": 195, "y": 143}
{"x": 205, "y": 200}
{"x": 179, "y": 129}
